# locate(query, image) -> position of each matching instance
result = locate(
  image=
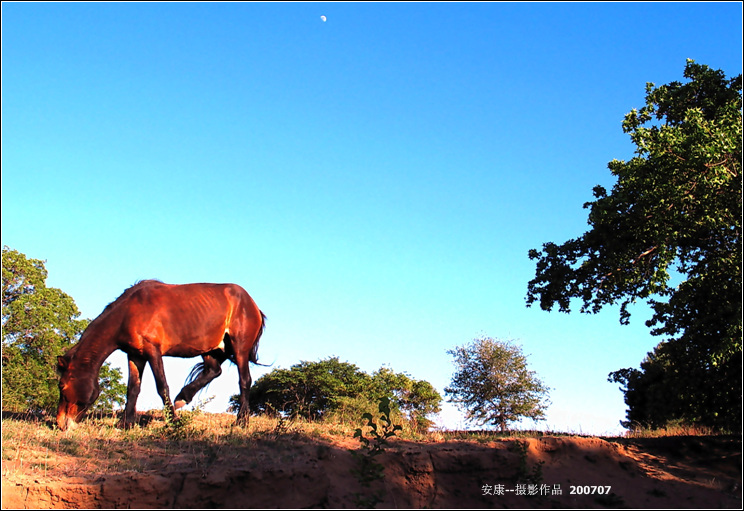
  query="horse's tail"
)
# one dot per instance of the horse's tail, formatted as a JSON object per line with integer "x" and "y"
{"x": 194, "y": 374}
{"x": 254, "y": 350}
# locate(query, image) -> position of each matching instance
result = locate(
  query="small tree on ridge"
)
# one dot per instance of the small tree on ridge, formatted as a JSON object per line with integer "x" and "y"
{"x": 493, "y": 385}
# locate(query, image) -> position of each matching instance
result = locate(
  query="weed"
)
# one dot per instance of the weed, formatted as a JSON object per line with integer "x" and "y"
{"x": 378, "y": 440}
{"x": 368, "y": 469}
{"x": 283, "y": 425}
{"x": 177, "y": 427}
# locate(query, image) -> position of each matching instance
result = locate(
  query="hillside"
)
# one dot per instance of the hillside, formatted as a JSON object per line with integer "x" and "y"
{"x": 272, "y": 464}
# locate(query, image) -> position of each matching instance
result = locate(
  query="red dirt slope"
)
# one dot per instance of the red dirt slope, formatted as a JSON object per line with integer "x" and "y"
{"x": 672, "y": 472}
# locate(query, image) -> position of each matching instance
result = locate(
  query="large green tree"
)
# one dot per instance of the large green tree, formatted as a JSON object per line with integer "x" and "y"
{"x": 39, "y": 323}
{"x": 308, "y": 389}
{"x": 330, "y": 387}
{"x": 493, "y": 384}
{"x": 668, "y": 233}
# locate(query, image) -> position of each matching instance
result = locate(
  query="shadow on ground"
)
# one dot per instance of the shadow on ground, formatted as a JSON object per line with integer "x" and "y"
{"x": 298, "y": 471}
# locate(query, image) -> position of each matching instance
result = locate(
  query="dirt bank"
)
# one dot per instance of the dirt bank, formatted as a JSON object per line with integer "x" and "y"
{"x": 673, "y": 472}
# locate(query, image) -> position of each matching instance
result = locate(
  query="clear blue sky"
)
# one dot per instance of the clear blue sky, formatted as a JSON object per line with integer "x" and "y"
{"x": 374, "y": 181}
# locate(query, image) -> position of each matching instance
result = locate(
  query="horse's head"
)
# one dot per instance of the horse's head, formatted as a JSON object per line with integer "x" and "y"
{"x": 78, "y": 390}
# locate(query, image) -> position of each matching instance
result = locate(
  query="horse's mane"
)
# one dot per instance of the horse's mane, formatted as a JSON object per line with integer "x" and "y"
{"x": 127, "y": 292}
{"x": 73, "y": 351}
{"x": 137, "y": 285}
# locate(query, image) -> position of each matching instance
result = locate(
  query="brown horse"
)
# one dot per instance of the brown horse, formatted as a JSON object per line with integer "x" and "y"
{"x": 151, "y": 320}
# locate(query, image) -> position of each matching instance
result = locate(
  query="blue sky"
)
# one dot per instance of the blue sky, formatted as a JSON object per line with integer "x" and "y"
{"x": 374, "y": 181}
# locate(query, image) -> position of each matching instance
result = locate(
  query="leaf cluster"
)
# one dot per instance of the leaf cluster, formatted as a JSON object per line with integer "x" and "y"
{"x": 379, "y": 435}
{"x": 675, "y": 207}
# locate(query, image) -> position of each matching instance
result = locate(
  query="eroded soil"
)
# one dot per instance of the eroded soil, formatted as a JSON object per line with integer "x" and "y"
{"x": 306, "y": 472}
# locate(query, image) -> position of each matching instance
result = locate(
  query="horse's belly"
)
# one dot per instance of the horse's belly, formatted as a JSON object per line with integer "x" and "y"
{"x": 195, "y": 347}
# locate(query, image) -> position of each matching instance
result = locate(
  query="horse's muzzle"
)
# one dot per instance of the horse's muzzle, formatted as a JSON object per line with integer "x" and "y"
{"x": 64, "y": 422}
{"x": 67, "y": 417}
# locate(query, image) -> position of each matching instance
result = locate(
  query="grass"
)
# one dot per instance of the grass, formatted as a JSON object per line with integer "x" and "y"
{"x": 673, "y": 430}
{"x": 98, "y": 446}
{"x": 484, "y": 436}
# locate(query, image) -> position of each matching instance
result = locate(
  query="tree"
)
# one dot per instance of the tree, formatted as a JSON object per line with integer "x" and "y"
{"x": 317, "y": 390}
{"x": 675, "y": 212}
{"x": 416, "y": 399}
{"x": 650, "y": 404}
{"x": 113, "y": 390}
{"x": 493, "y": 385}
{"x": 307, "y": 389}
{"x": 40, "y": 323}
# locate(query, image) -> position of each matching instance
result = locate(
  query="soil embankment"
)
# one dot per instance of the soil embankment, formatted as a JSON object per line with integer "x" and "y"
{"x": 671, "y": 472}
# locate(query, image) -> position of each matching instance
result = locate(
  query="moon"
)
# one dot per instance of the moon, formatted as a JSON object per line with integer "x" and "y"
{"x": 323, "y": 18}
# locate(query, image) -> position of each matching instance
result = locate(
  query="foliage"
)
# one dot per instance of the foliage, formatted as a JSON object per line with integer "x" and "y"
{"x": 493, "y": 384}
{"x": 674, "y": 213}
{"x": 319, "y": 390}
{"x": 40, "y": 323}
{"x": 659, "y": 397}
{"x": 349, "y": 409}
{"x": 179, "y": 427}
{"x": 379, "y": 436}
{"x": 307, "y": 389}
{"x": 416, "y": 399}
{"x": 113, "y": 390}
{"x": 368, "y": 469}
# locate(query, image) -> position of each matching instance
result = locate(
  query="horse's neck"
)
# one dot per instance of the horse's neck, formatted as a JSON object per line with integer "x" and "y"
{"x": 95, "y": 349}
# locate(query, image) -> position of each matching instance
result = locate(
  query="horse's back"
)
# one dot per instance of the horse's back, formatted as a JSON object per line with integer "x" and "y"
{"x": 201, "y": 300}
{"x": 160, "y": 295}
{"x": 185, "y": 319}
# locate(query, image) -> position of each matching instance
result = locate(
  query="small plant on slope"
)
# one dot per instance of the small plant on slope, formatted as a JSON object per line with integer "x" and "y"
{"x": 368, "y": 469}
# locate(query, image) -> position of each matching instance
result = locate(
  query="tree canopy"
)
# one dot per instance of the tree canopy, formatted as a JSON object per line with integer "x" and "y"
{"x": 493, "y": 384}
{"x": 316, "y": 390}
{"x": 40, "y": 323}
{"x": 674, "y": 214}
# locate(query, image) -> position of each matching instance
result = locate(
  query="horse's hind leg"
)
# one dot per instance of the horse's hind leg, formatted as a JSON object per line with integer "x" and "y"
{"x": 210, "y": 369}
{"x": 244, "y": 382}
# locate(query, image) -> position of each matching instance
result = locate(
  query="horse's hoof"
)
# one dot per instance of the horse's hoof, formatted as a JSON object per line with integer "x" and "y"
{"x": 179, "y": 404}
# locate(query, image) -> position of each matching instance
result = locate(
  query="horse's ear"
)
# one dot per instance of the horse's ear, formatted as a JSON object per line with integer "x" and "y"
{"x": 62, "y": 363}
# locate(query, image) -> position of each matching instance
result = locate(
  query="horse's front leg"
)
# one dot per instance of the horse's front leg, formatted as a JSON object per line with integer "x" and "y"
{"x": 158, "y": 371}
{"x": 136, "y": 366}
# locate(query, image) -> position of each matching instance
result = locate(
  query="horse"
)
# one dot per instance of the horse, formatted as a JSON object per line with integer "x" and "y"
{"x": 150, "y": 320}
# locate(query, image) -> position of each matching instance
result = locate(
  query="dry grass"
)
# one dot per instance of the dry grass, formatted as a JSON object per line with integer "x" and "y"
{"x": 148, "y": 460}
{"x": 673, "y": 430}
{"x": 98, "y": 446}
